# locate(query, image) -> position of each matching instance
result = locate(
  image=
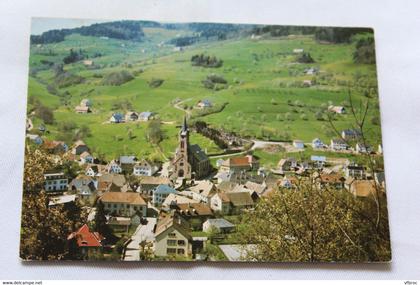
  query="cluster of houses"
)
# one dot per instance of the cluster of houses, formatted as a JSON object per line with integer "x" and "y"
{"x": 131, "y": 116}
{"x": 187, "y": 196}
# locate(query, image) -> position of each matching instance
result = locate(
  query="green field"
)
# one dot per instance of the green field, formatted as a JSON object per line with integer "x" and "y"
{"x": 262, "y": 90}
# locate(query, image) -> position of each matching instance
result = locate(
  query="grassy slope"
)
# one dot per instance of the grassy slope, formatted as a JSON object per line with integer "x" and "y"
{"x": 260, "y": 85}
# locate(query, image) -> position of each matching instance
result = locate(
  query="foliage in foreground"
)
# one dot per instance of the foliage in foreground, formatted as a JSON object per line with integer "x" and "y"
{"x": 311, "y": 225}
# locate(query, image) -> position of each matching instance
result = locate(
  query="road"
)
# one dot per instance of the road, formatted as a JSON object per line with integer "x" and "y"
{"x": 142, "y": 233}
{"x": 177, "y": 106}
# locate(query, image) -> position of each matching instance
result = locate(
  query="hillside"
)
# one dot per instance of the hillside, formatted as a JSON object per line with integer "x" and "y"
{"x": 264, "y": 96}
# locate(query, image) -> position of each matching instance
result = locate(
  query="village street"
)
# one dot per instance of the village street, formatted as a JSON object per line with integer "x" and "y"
{"x": 142, "y": 233}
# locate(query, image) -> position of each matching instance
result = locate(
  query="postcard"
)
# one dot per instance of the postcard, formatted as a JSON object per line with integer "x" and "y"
{"x": 157, "y": 141}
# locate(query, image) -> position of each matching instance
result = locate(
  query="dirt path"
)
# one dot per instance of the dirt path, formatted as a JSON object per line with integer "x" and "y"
{"x": 177, "y": 106}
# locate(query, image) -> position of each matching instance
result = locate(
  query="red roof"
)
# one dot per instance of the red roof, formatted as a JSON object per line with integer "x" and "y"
{"x": 239, "y": 161}
{"x": 86, "y": 238}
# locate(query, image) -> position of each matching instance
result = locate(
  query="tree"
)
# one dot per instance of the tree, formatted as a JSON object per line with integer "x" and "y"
{"x": 316, "y": 225}
{"x": 44, "y": 230}
{"x": 146, "y": 250}
{"x": 37, "y": 162}
{"x": 154, "y": 132}
{"x": 101, "y": 225}
{"x": 44, "y": 113}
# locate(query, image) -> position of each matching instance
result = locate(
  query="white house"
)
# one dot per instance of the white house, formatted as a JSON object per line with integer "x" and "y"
{"x": 220, "y": 202}
{"x": 362, "y": 148}
{"x": 145, "y": 168}
{"x": 55, "y": 181}
{"x": 338, "y": 144}
{"x": 337, "y": 109}
{"x": 218, "y": 225}
{"x": 145, "y": 116}
{"x": 318, "y": 161}
{"x": 126, "y": 204}
{"x": 117, "y": 118}
{"x": 203, "y": 104}
{"x": 298, "y": 144}
{"x": 350, "y": 134}
{"x": 355, "y": 171}
{"x": 113, "y": 167}
{"x": 35, "y": 139}
{"x": 317, "y": 143}
{"x": 203, "y": 190}
{"x": 86, "y": 157}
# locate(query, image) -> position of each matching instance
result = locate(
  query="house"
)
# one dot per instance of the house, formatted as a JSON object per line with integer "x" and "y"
{"x": 337, "y": 109}
{"x": 364, "y": 188}
{"x": 307, "y": 83}
{"x": 317, "y": 143}
{"x": 311, "y": 71}
{"x": 124, "y": 204}
{"x": 255, "y": 189}
{"x": 355, "y": 171}
{"x": 83, "y": 243}
{"x": 334, "y": 180}
{"x": 86, "y": 103}
{"x": 362, "y": 148}
{"x": 318, "y": 161}
{"x": 298, "y": 144}
{"x": 83, "y": 185}
{"x": 106, "y": 180}
{"x": 218, "y": 225}
{"x": 203, "y": 190}
{"x": 55, "y": 147}
{"x": 161, "y": 193}
{"x": 287, "y": 164}
{"x": 145, "y": 168}
{"x": 145, "y": 116}
{"x": 247, "y": 162}
{"x": 131, "y": 116}
{"x": 79, "y": 147}
{"x": 240, "y": 201}
{"x": 82, "y": 109}
{"x": 220, "y": 203}
{"x": 55, "y": 181}
{"x": 86, "y": 157}
{"x": 350, "y": 134}
{"x": 95, "y": 170}
{"x": 173, "y": 199}
{"x": 88, "y": 62}
{"x": 113, "y": 167}
{"x": 148, "y": 184}
{"x": 35, "y": 139}
{"x": 289, "y": 182}
{"x": 194, "y": 213}
{"x": 203, "y": 104}
{"x": 117, "y": 118}
{"x": 338, "y": 144}
{"x": 127, "y": 162}
{"x": 172, "y": 237}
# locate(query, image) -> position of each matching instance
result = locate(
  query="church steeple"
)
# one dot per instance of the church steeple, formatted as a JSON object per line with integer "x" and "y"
{"x": 184, "y": 125}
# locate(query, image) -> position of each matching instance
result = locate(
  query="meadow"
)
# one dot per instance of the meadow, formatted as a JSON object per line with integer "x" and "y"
{"x": 264, "y": 95}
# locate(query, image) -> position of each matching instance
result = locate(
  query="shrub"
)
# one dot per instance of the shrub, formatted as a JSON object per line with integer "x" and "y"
{"x": 155, "y": 82}
{"x": 117, "y": 78}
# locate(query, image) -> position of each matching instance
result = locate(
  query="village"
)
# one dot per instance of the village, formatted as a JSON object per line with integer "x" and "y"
{"x": 186, "y": 208}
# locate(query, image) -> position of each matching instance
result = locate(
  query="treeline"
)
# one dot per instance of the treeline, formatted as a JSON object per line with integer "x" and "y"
{"x": 328, "y": 34}
{"x": 213, "y": 134}
{"x": 206, "y": 61}
{"x": 124, "y": 30}
{"x": 205, "y": 32}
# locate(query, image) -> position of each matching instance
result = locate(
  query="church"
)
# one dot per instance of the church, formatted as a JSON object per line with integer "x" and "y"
{"x": 190, "y": 161}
